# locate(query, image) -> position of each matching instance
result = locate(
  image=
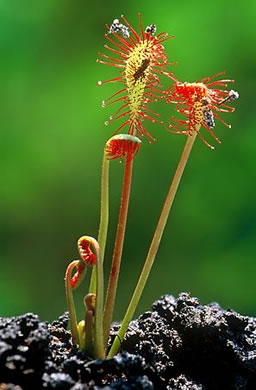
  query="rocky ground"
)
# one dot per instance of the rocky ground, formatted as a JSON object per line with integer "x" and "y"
{"x": 179, "y": 345}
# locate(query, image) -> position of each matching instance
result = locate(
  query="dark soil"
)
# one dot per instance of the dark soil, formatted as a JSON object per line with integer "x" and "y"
{"x": 179, "y": 345}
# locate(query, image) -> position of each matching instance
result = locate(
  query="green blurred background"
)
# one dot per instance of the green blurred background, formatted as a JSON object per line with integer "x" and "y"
{"x": 53, "y": 134}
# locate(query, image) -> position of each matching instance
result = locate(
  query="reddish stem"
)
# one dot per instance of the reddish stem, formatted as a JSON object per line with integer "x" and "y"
{"x": 118, "y": 249}
{"x": 154, "y": 244}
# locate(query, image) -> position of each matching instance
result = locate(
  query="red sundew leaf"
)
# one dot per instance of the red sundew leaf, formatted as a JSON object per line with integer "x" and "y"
{"x": 199, "y": 103}
{"x": 141, "y": 59}
{"x": 85, "y": 251}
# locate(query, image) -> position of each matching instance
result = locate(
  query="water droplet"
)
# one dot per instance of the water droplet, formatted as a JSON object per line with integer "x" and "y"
{"x": 99, "y": 82}
{"x": 106, "y": 123}
{"x": 111, "y": 117}
{"x": 103, "y": 104}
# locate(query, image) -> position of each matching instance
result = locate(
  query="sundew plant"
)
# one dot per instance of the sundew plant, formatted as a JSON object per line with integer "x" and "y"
{"x": 140, "y": 62}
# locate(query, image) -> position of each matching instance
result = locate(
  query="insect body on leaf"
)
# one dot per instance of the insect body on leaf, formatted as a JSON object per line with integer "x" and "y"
{"x": 208, "y": 116}
{"x": 141, "y": 71}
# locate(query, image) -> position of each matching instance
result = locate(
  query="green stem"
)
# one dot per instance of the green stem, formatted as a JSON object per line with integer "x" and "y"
{"x": 70, "y": 301}
{"x": 104, "y": 217}
{"x": 89, "y": 319}
{"x": 88, "y": 328}
{"x": 118, "y": 248}
{"x": 99, "y": 351}
{"x": 154, "y": 246}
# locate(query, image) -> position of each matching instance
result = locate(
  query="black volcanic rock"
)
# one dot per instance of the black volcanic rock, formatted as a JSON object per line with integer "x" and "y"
{"x": 179, "y": 345}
